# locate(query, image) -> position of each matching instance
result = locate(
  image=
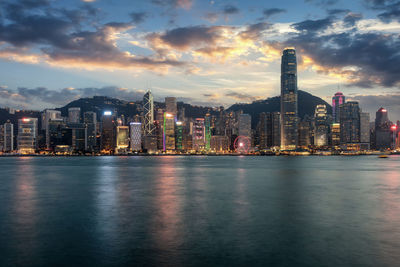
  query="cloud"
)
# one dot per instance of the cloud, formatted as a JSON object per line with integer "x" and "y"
{"x": 323, "y": 3}
{"x": 185, "y": 37}
{"x": 351, "y": 18}
{"x": 371, "y": 103}
{"x": 362, "y": 59}
{"x": 269, "y": 12}
{"x": 243, "y": 97}
{"x": 230, "y": 10}
{"x": 185, "y": 4}
{"x": 390, "y": 9}
{"x": 56, "y": 38}
{"x": 313, "y": 25}
{"x": 138, "y": 17}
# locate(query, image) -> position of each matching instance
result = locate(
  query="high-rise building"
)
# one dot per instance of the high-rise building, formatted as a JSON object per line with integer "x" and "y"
{"x": 337, "y": 100}
{"x": 349, "y": 123}
{"x": 108, "y": 132}
{"x": 335, "y": 135}
{"x": 169, "y": 132}
{"x": 220, "y": 143}
{"x": 148, "y": 114}
{"x": 365, "y": 132}
{"x": 8, "y": 137}
{"x": 245, "y": 125}
{"x": 179, "y": 135}
{"x": 90, "y": 120}
{"x": 136, "y": 136}
{"x": 27, "y": 135}
{"x": 198, "y": 135}
{"x": 207, "y": 130}
{"x": 122, "y": 142}
{"x": 289, "y": 106}
{"x": 74, "y": 115}
{"x": 321, "y": 126}
{"x": 383, "y": 132}
{"x": 50, "y": 114}
{"x": 304, "y": 134}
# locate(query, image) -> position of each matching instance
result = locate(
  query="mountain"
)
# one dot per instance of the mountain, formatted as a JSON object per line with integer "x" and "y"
{"x": 306, "y": 101}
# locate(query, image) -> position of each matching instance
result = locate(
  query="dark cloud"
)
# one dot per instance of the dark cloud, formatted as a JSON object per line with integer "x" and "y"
{"x": 269, "y": 12}
{"x": 313, "y": 25}
{"x": 351, "y": 18}
{"x": 390, "y": 9}
{"x": 138, "y": 17}
{"x": 58, "y": 35}
{"x": 371, "y": 103}
{"x": 230, "y": 10}
{"x": 365, "y": 59}
{"x": 183, "y": 37}
{"x": 323, "y": 3}
{"x": 334, "y": 12}
{"x": 253, "y": 31}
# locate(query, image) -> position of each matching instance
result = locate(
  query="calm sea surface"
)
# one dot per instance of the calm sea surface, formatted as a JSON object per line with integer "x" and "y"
{"x": 200, "y": 211}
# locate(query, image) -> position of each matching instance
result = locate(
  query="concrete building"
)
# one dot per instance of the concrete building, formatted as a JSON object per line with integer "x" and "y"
{"x": 27, "y": 135}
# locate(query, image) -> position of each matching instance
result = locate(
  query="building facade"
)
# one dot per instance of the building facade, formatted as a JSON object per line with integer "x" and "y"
{"x": 289, "y": 104}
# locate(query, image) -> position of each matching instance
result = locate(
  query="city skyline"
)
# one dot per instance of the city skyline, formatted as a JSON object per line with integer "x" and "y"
{"x": 203, "y": 52}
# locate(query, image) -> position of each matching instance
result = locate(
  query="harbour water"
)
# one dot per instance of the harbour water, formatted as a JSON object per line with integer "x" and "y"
{"x": 200, "y": 211}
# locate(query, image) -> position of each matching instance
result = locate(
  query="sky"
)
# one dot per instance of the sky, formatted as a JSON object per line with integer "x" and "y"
{"x": 204, "y": 52}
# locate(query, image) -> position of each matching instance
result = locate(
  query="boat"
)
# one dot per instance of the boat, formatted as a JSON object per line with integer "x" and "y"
{"x": 383, "y": 156}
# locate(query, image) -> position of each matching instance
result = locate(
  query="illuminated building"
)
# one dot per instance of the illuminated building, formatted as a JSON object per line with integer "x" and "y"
{"x": 198, "y": 135}
{"x": 8, "y": 137}
{"x": 207, "y": 130}
{"x": 304, "y": 134}
{"x": 148, "y": 114}
{"x": 74, "y": 115}
{"x": 289, "y": 113}
{"x": 263, "y": 131}
{"x": 122, "y": 142}
{"x": 136, "y": 136}
{"x": 1, "y": 137}
{"x": 55, "y": 135}
{"x": 90, "y": 120}
{"x": 335, "y": 134}
{"x": 349, "y": 123}
{"x": 220, "y": 143}
{"x": 383, "y": 132}
{"x": 108, "y": 132}
{"x": 179, "y": 135}
{"x": 150, "y": 143}
{"x": 169, "y": 132}
{"x": 321, "y": 126}
{"x": 337, "y": 100}
{"x": 245, "y": 125}
{"x": 365, "y": 132}
{"x": 27, "y": 135}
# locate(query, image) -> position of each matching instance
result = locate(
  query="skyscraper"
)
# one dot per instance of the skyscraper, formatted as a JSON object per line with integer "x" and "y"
{"x": 321, "y": 126}
{"x": 27, "y": 135}
{"x": 245, "y": 125}
{"x": 136, "y": 136}
{"x": 289, "y": 116}
{"x": 170, "y": 105}
{"x": 349, "y": 123}
{"x": 74, "y": 115}
{"x": 337, "y": 100}
{"x": 90, "y": 120}
{"x": 383, "y": 133}
{"x": 364, "y": 128}
{"x": 108, "y": 133}
{"x": 148, "y": 114}
{"x": 199, "y": 134}
{"x": 8, "y": 137}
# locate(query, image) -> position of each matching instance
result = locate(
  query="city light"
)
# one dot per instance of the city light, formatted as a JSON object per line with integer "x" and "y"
{"x": 26, "y": 120}
{"x": 107, "y": 113}
{"x": 178, "y": 123}
{"x": 169, "y": 115}
{"x": 394, "y": 127}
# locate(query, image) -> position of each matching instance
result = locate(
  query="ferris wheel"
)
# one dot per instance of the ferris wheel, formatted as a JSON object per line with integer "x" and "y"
{"x": 242, "y": 144}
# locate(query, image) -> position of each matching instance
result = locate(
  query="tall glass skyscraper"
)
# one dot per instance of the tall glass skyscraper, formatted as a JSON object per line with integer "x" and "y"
{"x": 148, "y": 108}
{"x": 337, "y": 100}
{"x": 289, "y": 113}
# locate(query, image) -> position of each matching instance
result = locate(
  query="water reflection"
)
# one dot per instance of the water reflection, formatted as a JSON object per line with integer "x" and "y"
{"x": 25, "y": 213}
{"x": 167, "y": 219}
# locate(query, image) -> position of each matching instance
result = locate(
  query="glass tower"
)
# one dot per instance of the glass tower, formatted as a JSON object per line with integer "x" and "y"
{"x": 289, "y": 113}
{"x": 337, "y": 100}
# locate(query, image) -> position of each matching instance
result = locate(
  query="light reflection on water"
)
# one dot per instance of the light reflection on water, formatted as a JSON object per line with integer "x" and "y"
{"x": 157, "y": 211}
